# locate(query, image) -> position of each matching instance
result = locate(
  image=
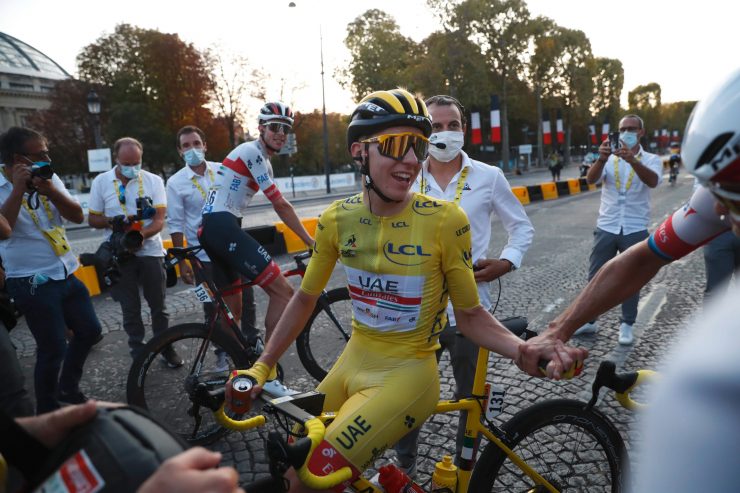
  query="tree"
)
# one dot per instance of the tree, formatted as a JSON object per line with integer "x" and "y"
{"x": 234, "y": 84}
{"x": 380, "y": 54}
{"x": 500, "y": 29}
{"x": 153, "y": 83}
{"x": 608, "y": 80}
{"x": 309, "y": 130}
{"x": 645, "y": 101}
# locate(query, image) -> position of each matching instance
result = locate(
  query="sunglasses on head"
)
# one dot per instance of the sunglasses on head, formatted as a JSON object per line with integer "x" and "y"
{"x": 395, "y": 146}
{"x": 275, "y": 127}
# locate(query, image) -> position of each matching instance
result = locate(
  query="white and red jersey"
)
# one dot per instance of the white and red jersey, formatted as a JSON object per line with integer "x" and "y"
{"x": 690, "y": 227}
{"x": 244, "y": 172}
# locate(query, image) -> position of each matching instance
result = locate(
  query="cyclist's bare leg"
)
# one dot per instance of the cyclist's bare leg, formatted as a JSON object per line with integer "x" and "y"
{"x": 280, "y": 292}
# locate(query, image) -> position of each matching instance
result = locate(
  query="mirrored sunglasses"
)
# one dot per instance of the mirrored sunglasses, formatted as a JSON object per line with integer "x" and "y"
{"x": 275, "y": 127}
{"x": 395, "y": 146}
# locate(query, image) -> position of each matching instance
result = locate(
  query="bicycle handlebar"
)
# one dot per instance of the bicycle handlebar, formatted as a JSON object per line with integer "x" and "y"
{"x": 315, "y": 430}
{"x": 621, "y": 383}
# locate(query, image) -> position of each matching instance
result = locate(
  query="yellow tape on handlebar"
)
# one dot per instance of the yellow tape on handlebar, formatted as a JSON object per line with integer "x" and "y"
{"x": 624, "y": 398}
{"x": 233, "y": 424}
{"x": 315, "y": 430}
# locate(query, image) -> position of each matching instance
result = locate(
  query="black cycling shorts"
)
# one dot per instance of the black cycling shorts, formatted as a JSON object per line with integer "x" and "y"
{"x": 234, "y": 252}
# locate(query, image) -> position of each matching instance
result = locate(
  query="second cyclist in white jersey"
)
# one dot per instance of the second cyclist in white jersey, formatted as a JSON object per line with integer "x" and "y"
{"x": 244, "y": 172}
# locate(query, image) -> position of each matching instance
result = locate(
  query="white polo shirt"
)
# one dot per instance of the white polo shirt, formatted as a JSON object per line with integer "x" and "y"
{"x": 626, "y": 209}
{"x": 186, "y": 194}
{"x": 104, "y": 199}
{"x": 27, "y": 252}
{"x": 485, "y": 193}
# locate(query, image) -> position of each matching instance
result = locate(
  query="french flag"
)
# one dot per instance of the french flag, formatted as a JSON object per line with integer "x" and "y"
{"x": 605, "y": 130}
{"x": 475, "y": 137}
{"x": 592, "y": 132}
{"x": 675, "y": 137}
{"x": 559, "y": 128}
{"x": 495, "y": 120}
{"x": 546, "y": 131}
{"x": 664, "y": 138}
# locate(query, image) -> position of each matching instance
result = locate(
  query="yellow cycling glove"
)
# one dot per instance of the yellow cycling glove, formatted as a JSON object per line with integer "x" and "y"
{"x": 260, "y": 372}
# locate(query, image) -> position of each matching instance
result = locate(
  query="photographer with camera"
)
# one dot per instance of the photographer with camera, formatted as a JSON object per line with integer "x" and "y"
{"x": 131, "y": 202}
{"x": 627, "y": 173}
{"x": 39, "y": 263}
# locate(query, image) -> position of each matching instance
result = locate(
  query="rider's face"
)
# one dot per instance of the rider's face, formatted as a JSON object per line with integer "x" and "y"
{"x": 274, "y": 139}
{"x": 729, "y": 207}
{"x": 393, "y": 177}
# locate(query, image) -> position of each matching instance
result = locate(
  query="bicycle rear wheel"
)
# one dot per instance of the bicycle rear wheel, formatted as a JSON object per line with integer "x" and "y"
{"x": 167, "y": 393}
{"x": 574, "y": 449}
{"x": 326, "y": 333}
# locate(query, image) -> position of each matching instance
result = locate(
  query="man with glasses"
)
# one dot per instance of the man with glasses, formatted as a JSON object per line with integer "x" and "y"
{"x": 627, "y": 173}
{"x": 711, "y": 153}
{"x": 115, "y": 193}
{"x": 39, "y": 265}
{"x": 403, "y": 253}
{"x": 233, "y": 252}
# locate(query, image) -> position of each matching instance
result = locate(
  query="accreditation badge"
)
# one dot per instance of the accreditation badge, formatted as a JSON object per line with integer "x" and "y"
{"x": 57, "y": 238}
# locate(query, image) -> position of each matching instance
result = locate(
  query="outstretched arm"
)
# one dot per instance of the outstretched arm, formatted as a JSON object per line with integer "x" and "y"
{"x": 286, "y": 212}
{"x": 616, "y": 281}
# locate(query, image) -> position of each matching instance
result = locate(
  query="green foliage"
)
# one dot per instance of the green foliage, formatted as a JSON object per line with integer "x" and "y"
{"x": 309, "y": 130}
{"x": 608, "y": 79}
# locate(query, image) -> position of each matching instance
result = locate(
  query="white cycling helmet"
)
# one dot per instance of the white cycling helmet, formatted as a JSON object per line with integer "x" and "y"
{"x": 711, "y": 143}
{"x": 276, "y": 111}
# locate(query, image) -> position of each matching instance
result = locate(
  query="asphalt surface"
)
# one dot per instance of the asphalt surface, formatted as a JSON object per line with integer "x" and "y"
{"x": 553, "y": 272}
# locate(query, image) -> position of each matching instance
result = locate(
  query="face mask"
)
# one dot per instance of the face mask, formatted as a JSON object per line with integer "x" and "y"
{"x": 629, "y": 139}
{"x": 194, "y": 156}
{"x": 452, "y": 143}
{"x": 130, "y": 172}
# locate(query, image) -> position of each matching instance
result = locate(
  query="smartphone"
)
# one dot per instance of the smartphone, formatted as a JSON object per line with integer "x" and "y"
{"x": 614, "y": 141}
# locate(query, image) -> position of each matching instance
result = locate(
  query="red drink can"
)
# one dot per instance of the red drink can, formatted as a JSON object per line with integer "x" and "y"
{"x": 237, "y": 394}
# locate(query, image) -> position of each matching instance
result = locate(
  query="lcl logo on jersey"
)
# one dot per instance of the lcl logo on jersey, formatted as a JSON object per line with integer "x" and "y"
{"x": 467, "y": 257}
{"x": 352, "y": 203}
{"x": 426, "y": 207}
{"x": 407, "y": 255}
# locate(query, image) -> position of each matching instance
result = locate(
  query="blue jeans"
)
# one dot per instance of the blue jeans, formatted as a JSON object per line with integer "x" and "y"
{"x": 50, "y": 309}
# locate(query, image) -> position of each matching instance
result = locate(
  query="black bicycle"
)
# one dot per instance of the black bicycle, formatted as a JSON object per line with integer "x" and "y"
{"x": 181, "y": 396}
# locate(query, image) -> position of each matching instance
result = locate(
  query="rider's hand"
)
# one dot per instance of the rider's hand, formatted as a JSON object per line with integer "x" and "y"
{"x": 193, "y": 471}
{"x": 186, "y": 273}
{"x": 548, "y": 347}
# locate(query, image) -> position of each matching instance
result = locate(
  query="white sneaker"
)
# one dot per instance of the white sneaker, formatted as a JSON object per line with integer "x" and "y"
{"x": 222, "y": 363}
{"x": 625, "y": 334}
{"x": 587, "y": 328}
{"x": 277, "y": 389}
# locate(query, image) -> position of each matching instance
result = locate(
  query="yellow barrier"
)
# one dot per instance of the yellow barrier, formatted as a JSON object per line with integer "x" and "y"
{"x": 292, "y": 242}
{"x": 591, "y": 187}
{"x": 549, "y": 190}
{"x": 89, "y": 278}
{"x": 522, "y": 194}
{"x": 574, "y": 186}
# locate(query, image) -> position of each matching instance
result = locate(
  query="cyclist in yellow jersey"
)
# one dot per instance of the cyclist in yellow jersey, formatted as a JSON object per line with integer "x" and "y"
{"x": 404, "y": 254}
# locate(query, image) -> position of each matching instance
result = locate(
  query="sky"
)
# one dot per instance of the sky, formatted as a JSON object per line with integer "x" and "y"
{"x": 684, "y": 46}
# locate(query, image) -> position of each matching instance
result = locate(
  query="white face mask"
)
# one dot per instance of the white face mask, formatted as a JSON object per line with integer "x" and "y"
{"x": 130, "y": 172}
{"x": 629, "y": 139}
{"x": 452, "y": 143}
{"x": 194, "y": 156}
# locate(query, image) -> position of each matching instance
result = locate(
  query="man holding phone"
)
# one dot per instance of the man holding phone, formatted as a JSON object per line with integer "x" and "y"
{"x": 627, "y": 173}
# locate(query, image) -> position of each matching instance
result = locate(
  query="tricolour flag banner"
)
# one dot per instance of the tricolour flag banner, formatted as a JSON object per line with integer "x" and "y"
{"x": 475, "y": 137}
{"x": 604, "y": 130}
{"x": 592, "y": 132}
{"x": 495, "y": 120}
{"x": 546, "y": 131}
{"x": 675, "y": 137}
{"x": 664, "y": 138}
{"x": 559, "y": 128}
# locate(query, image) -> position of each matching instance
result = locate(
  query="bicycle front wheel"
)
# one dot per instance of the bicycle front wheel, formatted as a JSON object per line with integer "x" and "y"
{"x": 326, "y": 333}
{"x": 168, "y": 393}
{"x": 573, "y": 449}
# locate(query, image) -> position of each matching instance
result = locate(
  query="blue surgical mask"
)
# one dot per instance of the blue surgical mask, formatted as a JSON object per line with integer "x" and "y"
{"x": 130, "y": 172}
{"x": 194, "y": 156}
{"x": 629, "y": 139}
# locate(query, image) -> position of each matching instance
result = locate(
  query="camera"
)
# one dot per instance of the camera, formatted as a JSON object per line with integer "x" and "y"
{"x": 45, "y": 172}
{"x": 614, "y": 141}
{"x": 125, "y": 240}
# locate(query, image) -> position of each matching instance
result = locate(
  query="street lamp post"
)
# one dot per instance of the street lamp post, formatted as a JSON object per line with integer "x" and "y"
{"x": 327, "y": 167}
{"x": 93, "y": 107}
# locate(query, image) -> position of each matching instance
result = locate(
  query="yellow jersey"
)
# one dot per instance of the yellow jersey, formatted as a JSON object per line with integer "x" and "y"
{"x": 400, "y": 269}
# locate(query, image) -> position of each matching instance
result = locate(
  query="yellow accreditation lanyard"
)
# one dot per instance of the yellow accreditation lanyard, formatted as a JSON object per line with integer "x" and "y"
{"x": 55, "y": 235}
{"x": 618, "y": 182}
{"x": 460, "y": 185}
{"x": 211, "y": 178}
{"x": 121, "y": 190}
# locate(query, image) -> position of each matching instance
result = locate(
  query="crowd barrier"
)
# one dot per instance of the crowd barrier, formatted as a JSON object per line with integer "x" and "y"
{"x": 278, "y": 239}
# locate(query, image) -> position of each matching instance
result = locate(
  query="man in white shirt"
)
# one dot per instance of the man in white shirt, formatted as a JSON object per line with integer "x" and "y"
{"x": 627, "y": 173}
{"x": 186, "y": 195}
{"x": 115, "y": 193}
{"x": 39, "y": 263}
{"x": 482, "y": 191}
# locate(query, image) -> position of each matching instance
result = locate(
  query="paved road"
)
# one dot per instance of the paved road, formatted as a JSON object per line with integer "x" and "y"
{"x": 554, "y": 271}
